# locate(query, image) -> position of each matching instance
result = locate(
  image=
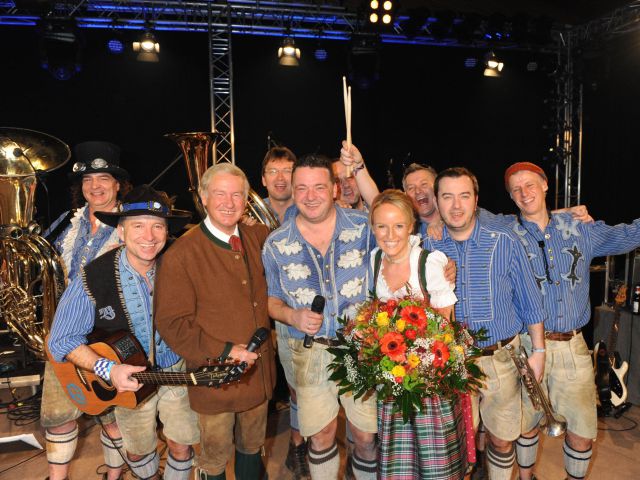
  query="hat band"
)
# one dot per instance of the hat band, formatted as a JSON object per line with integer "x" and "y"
{"x": 152, "y": 206}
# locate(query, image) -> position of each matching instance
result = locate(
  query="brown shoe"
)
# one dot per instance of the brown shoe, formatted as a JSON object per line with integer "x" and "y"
{"x": 297, "y": 461}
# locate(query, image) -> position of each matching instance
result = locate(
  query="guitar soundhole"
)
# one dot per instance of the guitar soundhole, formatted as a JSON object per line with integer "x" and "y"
{"x": 103, "y": 393}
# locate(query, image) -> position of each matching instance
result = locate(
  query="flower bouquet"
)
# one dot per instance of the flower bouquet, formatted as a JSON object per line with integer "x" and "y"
{"x": 405, "y": 351}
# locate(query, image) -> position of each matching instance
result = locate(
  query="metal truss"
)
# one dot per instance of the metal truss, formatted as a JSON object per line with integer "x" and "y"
{"x": 220, "y": 87}
{"x": 620, "y": 21}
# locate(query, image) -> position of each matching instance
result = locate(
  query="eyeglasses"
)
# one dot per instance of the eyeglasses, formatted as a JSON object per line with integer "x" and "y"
{"x": 272, "y": 172}
{"x": 95, "y": 164}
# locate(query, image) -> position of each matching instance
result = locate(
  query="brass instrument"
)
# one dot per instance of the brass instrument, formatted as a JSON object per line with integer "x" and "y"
{"x": 196, "y": 149}
{"x": 551, "y": 424}
{"x": 31, "y": 274}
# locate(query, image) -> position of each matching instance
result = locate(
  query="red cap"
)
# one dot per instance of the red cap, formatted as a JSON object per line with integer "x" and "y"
{"x": 520, "y": 166}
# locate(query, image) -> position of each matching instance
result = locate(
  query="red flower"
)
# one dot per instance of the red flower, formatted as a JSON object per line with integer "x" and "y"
{"x": 414, "y": 316}
{"x": 410, "y": 333}
{"x": 392, "y": 303}
{"x": 393, "y": 346}
{"x": 441, "y": 354}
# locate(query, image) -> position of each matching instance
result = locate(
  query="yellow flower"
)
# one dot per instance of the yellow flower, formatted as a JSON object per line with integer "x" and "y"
{"x": 361, "y": 318}
{"x": 382, "y": 319}
{"x": 447, "y": 338}
{"x": 400, "y": 324}
{"x": 458, "y": 350}
{"x": 413, "y": 360}
{"x": 398, "y": 371}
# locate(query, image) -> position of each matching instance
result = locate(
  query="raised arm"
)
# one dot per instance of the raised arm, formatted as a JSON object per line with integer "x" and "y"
{"x": 352, "y": 157}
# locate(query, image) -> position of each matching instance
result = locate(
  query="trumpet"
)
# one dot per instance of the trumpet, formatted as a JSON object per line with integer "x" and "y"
{"x": 551, "y": 424}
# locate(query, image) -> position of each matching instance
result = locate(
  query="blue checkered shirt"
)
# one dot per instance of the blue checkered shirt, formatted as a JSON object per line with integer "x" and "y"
{"x": 296, "y": 272}
{"x": 495, "y": 286}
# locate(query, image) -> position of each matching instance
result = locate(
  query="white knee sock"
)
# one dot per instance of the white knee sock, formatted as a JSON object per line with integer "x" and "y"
{"x": 61, "y": 446}
{"x": 146, "y": 467}
{"x": 527, "y": 451}
{"x": 324, "y": 465}
{"x": 178, "y": 469}
{"x": 576, "y": 463}
{"x": 364, "y": 469}
{"x": 500, "y": 465}
{"x": 112, "y": 450}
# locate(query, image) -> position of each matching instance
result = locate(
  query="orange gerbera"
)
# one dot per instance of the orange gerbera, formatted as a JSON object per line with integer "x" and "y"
{"x": 393, "y": 346}
{"x": 414, "y": 316}
{"x": 441, "y": 354}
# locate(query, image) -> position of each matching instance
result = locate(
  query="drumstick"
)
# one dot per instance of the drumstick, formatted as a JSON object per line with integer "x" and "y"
{"x": 346, "y": 93}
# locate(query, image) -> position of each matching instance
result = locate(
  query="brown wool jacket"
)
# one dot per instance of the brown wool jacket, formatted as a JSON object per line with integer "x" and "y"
{"x": 207, "y": 295}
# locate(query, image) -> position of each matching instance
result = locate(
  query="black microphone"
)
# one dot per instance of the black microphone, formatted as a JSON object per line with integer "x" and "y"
{"x": 257, "y": 339}
{"x": 317, "y": 306}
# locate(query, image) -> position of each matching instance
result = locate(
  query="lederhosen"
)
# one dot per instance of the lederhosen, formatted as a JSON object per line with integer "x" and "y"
{"x": 432, "y": 444}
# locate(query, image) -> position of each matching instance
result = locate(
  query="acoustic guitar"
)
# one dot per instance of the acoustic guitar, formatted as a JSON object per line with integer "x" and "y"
{"x": 92, "y": 395}
{"x": 609, "y": 367}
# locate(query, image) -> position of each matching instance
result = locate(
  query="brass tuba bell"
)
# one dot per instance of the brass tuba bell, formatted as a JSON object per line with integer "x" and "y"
{"x": 31, "y": 274}
{"x": 197, "y": 150}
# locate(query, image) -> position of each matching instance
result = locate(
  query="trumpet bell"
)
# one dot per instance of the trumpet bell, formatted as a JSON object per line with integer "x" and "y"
{"x": 24, "y": 152}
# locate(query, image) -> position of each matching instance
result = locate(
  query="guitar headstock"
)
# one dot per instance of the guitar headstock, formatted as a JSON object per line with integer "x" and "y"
{"x": 213, "y": 375}
{"x": 621, "y": 296}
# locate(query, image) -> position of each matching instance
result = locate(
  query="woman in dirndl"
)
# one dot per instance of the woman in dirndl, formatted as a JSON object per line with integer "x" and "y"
{"x": 433, "y": 443}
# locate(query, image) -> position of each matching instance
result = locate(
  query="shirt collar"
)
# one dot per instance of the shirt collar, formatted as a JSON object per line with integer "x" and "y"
{"x": 216, "y": 232}
{"x": 124, "y": 263}
{"x": 474, "y": 237}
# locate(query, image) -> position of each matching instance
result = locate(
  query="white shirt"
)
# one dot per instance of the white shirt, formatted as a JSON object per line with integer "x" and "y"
{"x": 219, "y": 234}
{"x": 440, "y": 290}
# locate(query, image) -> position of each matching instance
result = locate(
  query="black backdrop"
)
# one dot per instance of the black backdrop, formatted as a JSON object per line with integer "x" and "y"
{"x": 425, "y": 107}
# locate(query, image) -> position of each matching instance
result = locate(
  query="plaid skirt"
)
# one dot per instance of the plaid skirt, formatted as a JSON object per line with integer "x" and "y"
{"x": 430, "y": 446}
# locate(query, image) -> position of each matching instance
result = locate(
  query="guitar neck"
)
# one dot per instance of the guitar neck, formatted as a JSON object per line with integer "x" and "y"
{"x": 165, "y": 378}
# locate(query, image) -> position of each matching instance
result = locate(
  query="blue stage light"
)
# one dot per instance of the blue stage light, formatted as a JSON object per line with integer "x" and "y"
{"x": 470, "y": 62}
{"x": 115, "y": 46}
{"x": 320, "y": 54}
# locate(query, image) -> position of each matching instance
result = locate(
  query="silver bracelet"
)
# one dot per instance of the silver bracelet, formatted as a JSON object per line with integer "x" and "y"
{"x": 538, "y": 350}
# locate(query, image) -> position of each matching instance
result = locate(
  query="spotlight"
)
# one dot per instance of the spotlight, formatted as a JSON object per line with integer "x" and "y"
{"x": 387, "y": 5}
{"x": 386, "y": 19}
{"x": 385, "y": 14}
{"x": 374, "y": 4}
{"x": 288, "y": 53}
{"x": 373, "y": 18}
{"x": 148, "y": 47}
{"x": 470, "y": 62}
{"x": 60, "y": 47}
{"x": 532, "y": 66}
{"x": 320, "y": 54}
{"x": 115, "y": 46}
{"x": 493, "y": 67}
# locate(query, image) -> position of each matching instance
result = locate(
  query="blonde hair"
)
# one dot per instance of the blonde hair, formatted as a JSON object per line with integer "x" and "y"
{"x": 218, "y": 169}
{"x": 394, "y": 197}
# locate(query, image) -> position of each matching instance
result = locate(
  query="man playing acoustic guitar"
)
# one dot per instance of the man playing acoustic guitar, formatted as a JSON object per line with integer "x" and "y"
{"x": 114, "y": 292}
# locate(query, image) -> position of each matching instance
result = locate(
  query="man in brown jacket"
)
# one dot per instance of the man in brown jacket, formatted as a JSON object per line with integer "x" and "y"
{"x": 211, "y": 296}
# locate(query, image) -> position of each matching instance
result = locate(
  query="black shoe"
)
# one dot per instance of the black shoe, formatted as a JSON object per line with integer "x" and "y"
{"x": 297, "y": 461}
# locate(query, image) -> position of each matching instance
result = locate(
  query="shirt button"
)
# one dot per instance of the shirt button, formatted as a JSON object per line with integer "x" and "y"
{"x": 547, "y": 236}
{"x": 244, "y": 282}
{"x": 557, "y": 282}
{"x": 237, "y": 257}
{"x": 550, "y": 258}
{"x": 255, "y": 304}
{"x": 333, "y": 314}
{"x": 327, "y": 266}
{"x": 330, "y": 297}
{"x": 317, "y": 255}
{"x": 327, "y": 280}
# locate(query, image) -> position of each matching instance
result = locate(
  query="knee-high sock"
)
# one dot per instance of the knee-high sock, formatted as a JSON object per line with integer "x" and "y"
{"x": 61, "y": 446}
{"x": 324, "y": 464}
{"x": 576, "y": 463}
{"x": 500, "y": 465}
{"x": 146, "y": 467}
{"x": 527, "y": 451}
{"x": 178, "y": 469}
{"x": 112, "y": 450}
{"x": 364, "y": 469}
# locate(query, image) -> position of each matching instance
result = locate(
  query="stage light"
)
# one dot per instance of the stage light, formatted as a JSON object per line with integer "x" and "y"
{"x": 374, "y": 4}
{"x": 373, "y": 18}
{"x": 532, "y": 66}
{"x": 470, "y": 62}
{"x": 148, "y": 47}
{"x": 386, "y": 19}
{"x": 387, "y": 5}
{"x": 115, "y": 46}
{"x": 288, "y": 53}
{"x": 320, "y": 54}
{"x": 493, "y": 66}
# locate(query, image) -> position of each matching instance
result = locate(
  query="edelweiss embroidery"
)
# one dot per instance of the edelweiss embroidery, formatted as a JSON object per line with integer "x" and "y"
{"x": 297, "y": 271}
{"x": 351, "y": 234}
{"x": 521, "y": 232}
{"x": 568, "y": 229}
{"x": 288, "y": 249}
{"x": 571, "y": 276}
{"x": 352, "y": 288}
{"x": 352, "y": 258}
{"x": 303, "y": 296}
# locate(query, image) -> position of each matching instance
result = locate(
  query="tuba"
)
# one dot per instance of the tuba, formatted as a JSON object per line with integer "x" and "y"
{"x": 31, "y": 273}
{"x": 551, "y": 424}
{"x": 197, "y": 149}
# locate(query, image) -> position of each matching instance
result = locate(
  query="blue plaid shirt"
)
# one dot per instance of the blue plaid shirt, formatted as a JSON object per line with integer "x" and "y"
{"x": 495, "y": 286}
{"x": 569, "y": 246}
{"x": 296, "y": 272}
{"x": 74, "y": 318}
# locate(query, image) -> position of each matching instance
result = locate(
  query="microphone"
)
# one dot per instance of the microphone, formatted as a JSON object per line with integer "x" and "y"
{"x": 317, "y": 306}
{"x": 257, "y": 339}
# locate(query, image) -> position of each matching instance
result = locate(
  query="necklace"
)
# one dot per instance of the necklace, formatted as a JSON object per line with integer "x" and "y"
{"x": 398, "y": 260}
